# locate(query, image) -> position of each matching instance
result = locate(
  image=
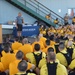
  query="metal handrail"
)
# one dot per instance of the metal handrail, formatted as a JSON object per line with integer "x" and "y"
{"x": 37, "y": 8}
{"x": 40, "y": 7}
{"x": 48, "y": 8}
{"x": 44, "y": 10}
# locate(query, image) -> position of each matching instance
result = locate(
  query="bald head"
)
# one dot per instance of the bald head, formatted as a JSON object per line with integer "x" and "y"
{"x": 22, "y": 66}
{"x": 25, "y": 41}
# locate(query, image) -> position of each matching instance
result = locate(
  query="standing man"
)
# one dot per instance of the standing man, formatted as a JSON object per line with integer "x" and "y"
{"x": 66, "y": 19}
{"x": 19, "y": 23}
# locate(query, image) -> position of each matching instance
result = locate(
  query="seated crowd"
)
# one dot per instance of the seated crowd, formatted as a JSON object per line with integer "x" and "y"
{"x": 51, "y": 53}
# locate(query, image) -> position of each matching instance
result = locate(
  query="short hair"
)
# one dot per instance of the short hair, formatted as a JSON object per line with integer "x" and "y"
{"x": 37, "y": 47}
{"x": 61, "y": 45}
{"x": 51, "y": 56}
{"x": 57, "y": 40}
{"x": 52, "y": 37}
{"x": 50, "y": 49}
{"x": 19, "y": 55}
{"x": 47, "y": 42}
{"x": 19, "y": 13}
{"x": 22, "y": 66}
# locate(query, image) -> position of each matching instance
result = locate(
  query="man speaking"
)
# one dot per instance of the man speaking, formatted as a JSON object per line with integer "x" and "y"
{"x": 19, "y": 23}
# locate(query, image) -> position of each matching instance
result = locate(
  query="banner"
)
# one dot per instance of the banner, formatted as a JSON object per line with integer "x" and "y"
{"x": 27, "y": 31}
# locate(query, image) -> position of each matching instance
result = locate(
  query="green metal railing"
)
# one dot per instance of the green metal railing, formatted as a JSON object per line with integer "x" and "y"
{"x": 43, "y": 10}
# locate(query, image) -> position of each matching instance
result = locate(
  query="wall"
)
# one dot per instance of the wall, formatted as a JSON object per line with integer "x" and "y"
{"x": 54, "y": 5}
{"x": 9, "y": 12}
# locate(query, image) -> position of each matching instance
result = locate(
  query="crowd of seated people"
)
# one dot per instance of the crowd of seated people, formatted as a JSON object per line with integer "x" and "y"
{"x": 51, "y": 53}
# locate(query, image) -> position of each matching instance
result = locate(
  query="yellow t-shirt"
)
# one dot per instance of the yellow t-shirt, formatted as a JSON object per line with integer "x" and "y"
{"x": 61, "y": 70}
{"x": 43, "y": 39}
{"x": 16, "y": 45}
{"x": 58, "y": 30}
{"x": 27, "y": 48}
{"x": 52, "y": 43}
{"x": 13, "y": 67}
{"x": 43, "y": 31}
{"x": 72, "y": 64}
{"x": 1, "y": 67}
{"x": 3, "y": 52}
{"x": 61, "y": 58}
{"x": 55, "y": 21}
{"x": 31, "y": 57}
{"x": 43, "y": 62}
{"x": 7, "y": 59}
{"x": 47, "y": 17}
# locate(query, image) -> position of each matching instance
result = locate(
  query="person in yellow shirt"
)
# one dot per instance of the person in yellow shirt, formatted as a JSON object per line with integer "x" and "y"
{"x": 63, "y": 56}
{"x": 16, "y": 45}
{"x": 72, "y": 67}
{"x": 13, "y": 65}
{"x": 48, "y": 17}
{"x": 36, "y": 56}
{"x": 44, "y": 60}
{"x": 22, "y": 68}
{"x": 2, "y": 72}
{"x": 6, "y": 49}
{"x": 1, "y": 67}
{"x": 56, "y": 21}
{"x": 47, "y": 46}
{"x": 70, "y": 38}
{"x": 43, "y": 30}
{"x": 43, "y": 39}
{"x": 33, "y": 57}
{"x": 73, "y": 20}
{"x": 26, "y": 48}
{"x": 52, "y": 67}
{"x": 70, "y": 49}
{"x": 37, "y": 41}
{"x": 8, "y": 57}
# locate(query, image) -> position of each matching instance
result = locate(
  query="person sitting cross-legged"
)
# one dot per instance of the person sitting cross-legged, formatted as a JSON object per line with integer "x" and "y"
{"x": 13, "y": 65}
{"x": 52, "y": 67}
{"x": 36, "y": 56}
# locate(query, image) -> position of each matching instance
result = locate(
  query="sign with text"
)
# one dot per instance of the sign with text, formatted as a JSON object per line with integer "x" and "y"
{"x": 28, "y": 31}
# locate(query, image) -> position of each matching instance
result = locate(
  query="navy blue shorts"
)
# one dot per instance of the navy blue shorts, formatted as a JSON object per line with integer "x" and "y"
{"x": 19, "y": 27}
